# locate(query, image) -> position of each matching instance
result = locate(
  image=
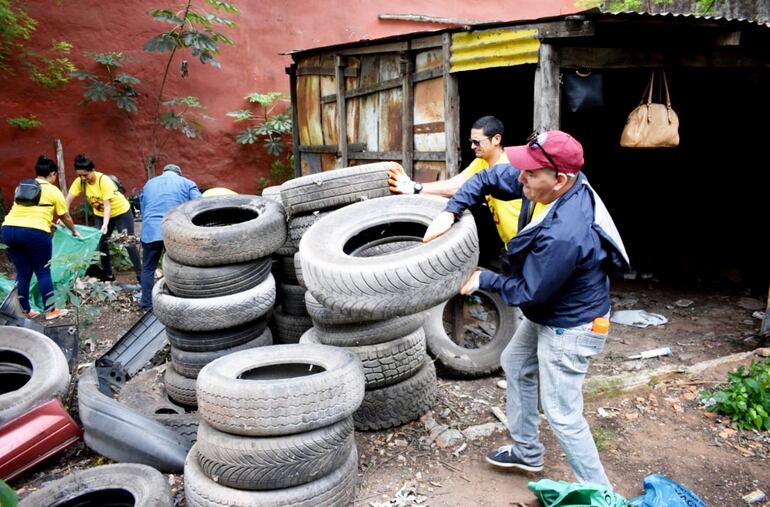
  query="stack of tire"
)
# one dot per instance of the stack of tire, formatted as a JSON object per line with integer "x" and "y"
{"x": 276, "y": 428}
{"x": 308, "y": 199}
{"x": 369, "y": 278}
{"x": 217, "y": 289}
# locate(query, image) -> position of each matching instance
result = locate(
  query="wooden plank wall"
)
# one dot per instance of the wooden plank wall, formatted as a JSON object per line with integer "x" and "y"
{"x": 429, "y": 127}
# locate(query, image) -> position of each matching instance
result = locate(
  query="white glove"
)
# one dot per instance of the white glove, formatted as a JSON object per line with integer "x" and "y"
{"x": 439, "y": 226}
{"x": 472, "y": 285}
{"x": 399, "y": 182}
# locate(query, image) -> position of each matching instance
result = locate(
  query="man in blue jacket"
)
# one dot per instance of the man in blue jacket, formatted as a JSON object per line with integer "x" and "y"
{"x": 159, "y": 195}
{"x": 560, "y": 262}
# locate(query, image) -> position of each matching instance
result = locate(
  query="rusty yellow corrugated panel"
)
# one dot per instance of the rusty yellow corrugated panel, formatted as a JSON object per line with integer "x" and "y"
{"x": 484, "y": 49}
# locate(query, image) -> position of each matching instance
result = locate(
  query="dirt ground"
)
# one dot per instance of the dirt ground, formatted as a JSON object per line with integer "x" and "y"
{"x": 660, "y": 427}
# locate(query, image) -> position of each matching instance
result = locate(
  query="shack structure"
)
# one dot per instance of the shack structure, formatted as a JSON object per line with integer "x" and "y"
{"x": 413, "y": 98}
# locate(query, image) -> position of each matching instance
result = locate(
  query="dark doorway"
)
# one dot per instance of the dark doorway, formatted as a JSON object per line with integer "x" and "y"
{"x": 695, "y": 213}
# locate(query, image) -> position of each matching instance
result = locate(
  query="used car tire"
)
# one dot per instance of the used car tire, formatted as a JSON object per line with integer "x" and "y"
{"x": 25, "y": 350}
{"x": 212, "y": 281}
{"x": 471, "y": 362}
{"x": 224, "y": 230}
{"x": 118, "y": 484}
{"x": 207, "y": 314}
{"x": 274, "y": 462}
{"x": 385, "y": 286}
{"x": 189, "y": 364}
{"x": 205, "y": 341}
{"x": 332, "y": 490}
{"x": 334, "y": 189}
{"x": 280, "y": 389}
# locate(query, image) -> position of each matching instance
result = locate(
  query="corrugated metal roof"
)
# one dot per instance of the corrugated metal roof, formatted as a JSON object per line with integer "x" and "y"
{"x": 690, "y": 15}
{"x": 500, "y": 47}
{"x": 595, "y": 14}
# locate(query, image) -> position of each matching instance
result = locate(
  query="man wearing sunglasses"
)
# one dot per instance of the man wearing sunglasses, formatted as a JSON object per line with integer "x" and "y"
{"x": 486, "y": 140}
{"x": 559, "y": 276}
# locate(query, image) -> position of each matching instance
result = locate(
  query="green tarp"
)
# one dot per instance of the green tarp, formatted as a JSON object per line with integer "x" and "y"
{"x": 67, "y": 263}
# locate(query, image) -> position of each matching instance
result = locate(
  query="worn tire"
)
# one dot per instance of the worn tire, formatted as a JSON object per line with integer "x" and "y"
{"x": 334, "y": 189}
{"x": 289, "y": 328}
{"x": 292, "y": 298}
{"x": 397, "y": 404}
{"x": 368, "y": 333}
{"x": 272, "y": 193}
{"x": 205, "y": 282}
{"x": 226, "y": 229}
{"x": 277, "y": 395}
{"x": 273, "y": 462}
{"x": 396, "y": 284}
{"x": 296, "y": 228}
{"x": 326, "y": 316}
{"x": 206, "y": 341}
{"x": 385, "y": 363}
{"x": 208, "y": 314}
{"x": 118, "y": 484}
{"x": 179, "y": 388}
{"x": 332, "y": 490}
{"x": 50, "y": 376}
{"x": 471, "y": 362}
{"x": 189, "y": 364}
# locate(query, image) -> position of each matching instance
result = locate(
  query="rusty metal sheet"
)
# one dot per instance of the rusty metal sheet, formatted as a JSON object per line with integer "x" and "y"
{"x": 328, "y": 161}
{"x": 309, "y": 105}
{"x": 311, "y": 163}
{"x": 390, "y": 105}
{"x": 426, "y": 172}
{"x": 328, "y": 86}
{"x": 501, "y": 47}
{"x": 428, "y": 60}
{"x": 369, "y": 118}
{"x": 429, "y": 112}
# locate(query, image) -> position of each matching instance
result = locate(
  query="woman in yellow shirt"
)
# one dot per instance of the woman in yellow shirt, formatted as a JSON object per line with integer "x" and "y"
{"x": 111, "y": 210}
{"x": 27, "y": 233}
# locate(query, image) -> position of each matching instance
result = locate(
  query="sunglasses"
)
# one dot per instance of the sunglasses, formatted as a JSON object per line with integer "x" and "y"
{"x": 533, "y": 142}
{"x": 477, "y": 142}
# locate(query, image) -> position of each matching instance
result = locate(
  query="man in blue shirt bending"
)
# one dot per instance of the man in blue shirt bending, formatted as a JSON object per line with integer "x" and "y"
{"x": 159, "y": 195}
{"x": 560, "y": 263}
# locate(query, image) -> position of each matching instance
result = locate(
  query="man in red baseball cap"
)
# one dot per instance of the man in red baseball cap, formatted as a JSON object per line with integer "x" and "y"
{"x": 560, "y": 263}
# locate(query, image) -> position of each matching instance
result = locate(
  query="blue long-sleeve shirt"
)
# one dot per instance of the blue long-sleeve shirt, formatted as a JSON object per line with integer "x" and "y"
{"x": 159, "y": 195}
{"x": 559, "y": 262}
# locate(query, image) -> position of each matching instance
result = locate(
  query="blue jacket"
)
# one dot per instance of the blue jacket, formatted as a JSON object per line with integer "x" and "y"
{"x": 559, "y": 262}
{"x": 159, "y": 195}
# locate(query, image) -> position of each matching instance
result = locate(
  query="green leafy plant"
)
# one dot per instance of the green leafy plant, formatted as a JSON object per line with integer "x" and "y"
{"x": 24, "y": 122}
{"x": 85, "y": 295}
{"x": 108, "y": 83}
{"x": 8, "y": 497}
{"x": 270, "y": 128}
{"x": 192, "y": 28}
{"x": 746, "y": 398}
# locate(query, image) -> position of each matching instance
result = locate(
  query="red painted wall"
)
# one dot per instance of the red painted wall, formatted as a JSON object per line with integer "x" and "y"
{"x": 115, "y": 139}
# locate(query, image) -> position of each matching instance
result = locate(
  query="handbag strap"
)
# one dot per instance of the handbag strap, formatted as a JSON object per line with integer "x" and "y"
{"x": 665, "y": 87}
{"x": 648, "y": 90}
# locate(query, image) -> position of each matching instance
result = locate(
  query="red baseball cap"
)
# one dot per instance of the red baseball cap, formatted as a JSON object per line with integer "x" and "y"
{"x": 565, "y": 152}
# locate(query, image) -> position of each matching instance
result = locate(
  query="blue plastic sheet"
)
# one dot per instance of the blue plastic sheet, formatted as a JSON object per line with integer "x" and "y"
{"x": 660, "y": 491}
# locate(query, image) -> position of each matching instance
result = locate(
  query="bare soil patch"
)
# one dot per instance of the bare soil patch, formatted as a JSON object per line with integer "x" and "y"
{"x": 658, "y": 428}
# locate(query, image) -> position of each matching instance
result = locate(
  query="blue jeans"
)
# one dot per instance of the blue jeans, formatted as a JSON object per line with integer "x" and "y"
{"x": 30, "y": 251}
{"x": 122, "y": 222}
{"x": 557, "y": 358}
{"x": 151, "y": 253}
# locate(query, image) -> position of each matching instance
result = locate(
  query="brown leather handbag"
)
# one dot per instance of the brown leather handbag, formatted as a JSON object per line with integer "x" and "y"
{"x": 650, "y": 124}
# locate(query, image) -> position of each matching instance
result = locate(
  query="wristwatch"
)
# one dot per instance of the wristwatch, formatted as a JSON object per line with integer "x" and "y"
{"x": 417, "y": 187}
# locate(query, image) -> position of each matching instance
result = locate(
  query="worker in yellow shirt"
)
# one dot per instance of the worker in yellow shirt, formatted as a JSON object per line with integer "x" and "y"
{"x": 27, "y": 233}
{"x": 111, "y": 210}
{"x": 487, "y": 143}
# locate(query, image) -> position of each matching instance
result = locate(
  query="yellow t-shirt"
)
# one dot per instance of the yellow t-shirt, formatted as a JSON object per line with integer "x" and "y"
{"x": 103, "y": 189}
{"x": 504, "y": 213}
{"x": 41, "y": 216}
